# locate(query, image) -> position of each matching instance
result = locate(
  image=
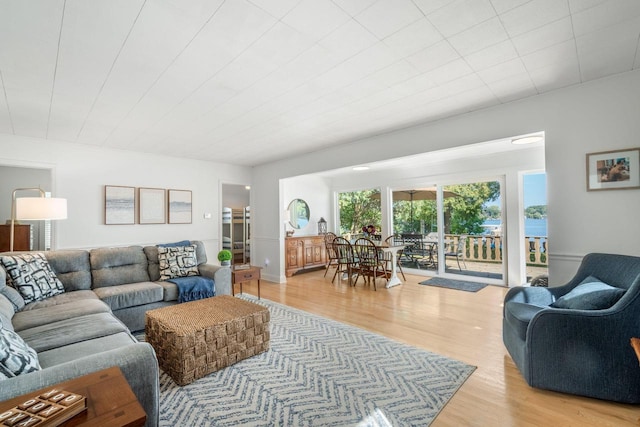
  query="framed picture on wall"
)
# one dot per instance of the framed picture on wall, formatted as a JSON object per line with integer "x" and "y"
{"x": 179, "y": 207}
{"x": 613, "y": 170}
{"x": 152, "y": 205}
{"x": 119, "y": 205}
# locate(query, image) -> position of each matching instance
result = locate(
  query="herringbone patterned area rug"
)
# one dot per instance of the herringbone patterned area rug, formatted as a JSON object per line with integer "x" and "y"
{"x": 318, "y": 372}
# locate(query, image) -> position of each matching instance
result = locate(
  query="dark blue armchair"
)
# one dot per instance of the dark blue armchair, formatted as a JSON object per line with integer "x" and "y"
{"x": 575, "y": 350}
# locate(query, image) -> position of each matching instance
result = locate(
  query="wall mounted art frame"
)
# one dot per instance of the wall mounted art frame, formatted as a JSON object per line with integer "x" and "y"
{"x": 613, "y": 170}
{"x": 180, "y": 206}
{"x": 119, "y": 205}
{"x": 152, "y": 206}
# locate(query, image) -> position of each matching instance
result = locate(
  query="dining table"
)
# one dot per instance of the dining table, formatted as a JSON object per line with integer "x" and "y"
{"x": 393, "y": 280}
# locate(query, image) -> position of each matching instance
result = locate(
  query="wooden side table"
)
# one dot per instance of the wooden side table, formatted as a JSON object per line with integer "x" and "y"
{"x": 245, "y": 274}
{"x": 110, "y": 400}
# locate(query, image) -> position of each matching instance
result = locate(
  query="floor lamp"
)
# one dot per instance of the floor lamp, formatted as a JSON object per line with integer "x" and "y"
{"x": 35, "y": 208}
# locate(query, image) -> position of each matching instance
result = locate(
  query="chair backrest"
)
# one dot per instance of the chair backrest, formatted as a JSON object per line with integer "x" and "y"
{"x": 367, "y": 252}
{"x": 461, "y": 242}
{"x": 328, "y": 238}
{"x": 394, "y": 240}
{"x": 414, "y": 242}
{"x": 343, "y": 250}
{"x": 621, "y": 271}
{"x": 328, "y": 244}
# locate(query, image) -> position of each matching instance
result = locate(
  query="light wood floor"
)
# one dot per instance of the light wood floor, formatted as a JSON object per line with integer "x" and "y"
{"x": 463, "y": 325}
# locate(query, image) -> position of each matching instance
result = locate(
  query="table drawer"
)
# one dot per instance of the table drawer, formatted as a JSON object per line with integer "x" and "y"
{"x": 245, "y": 276}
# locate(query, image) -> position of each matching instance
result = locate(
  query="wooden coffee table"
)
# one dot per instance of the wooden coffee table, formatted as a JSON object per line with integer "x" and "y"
{"x": 110, "y": 400}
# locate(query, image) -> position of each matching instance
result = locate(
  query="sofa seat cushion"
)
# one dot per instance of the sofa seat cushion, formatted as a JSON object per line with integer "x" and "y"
{"x": 170, "y": 291}
{"x": 32, "y": 318}
{"x": 130, "y": 295}
{"x": 71, "y": 331}
{"x": 65, "y": 298}
{"x": 77, "y": 350}
{"x": 518, "y": 315}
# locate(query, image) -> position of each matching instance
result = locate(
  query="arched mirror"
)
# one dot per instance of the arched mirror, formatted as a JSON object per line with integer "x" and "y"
{"x": 298, "y": 213}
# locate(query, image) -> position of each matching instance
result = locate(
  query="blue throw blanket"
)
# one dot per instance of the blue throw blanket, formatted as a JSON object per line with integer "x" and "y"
{"x": 194, "y": 288}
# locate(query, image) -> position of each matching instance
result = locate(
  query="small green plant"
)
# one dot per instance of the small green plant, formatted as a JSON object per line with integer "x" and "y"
{"x": 225, "y": 255}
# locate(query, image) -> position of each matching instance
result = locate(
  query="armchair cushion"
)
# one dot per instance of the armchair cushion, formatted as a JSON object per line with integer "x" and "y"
{"x": 590, "y": 294}
{"x": 519, "y": 314}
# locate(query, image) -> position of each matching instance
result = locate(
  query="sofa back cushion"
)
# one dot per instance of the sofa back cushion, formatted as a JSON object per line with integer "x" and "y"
{"x": 152, "y": 256}
{"x": 72, "y": 268}
{"x": 118, "y": 266}
{"x": 7, "y": 310}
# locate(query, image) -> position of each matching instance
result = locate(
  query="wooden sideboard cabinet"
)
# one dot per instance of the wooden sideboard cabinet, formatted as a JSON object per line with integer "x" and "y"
{"x": 21, "y": 237}
{"x": 303, "y": 253}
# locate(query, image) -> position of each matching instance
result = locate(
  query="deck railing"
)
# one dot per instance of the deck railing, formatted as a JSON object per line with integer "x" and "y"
{"x": 489, "y": 248}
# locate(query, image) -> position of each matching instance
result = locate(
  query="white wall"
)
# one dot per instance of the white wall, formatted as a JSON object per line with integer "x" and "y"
{"x": 80, "y": 173}
{"x": 595, "y": 116}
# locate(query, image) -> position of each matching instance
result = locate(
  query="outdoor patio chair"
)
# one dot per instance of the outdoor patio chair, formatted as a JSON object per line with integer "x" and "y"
{"x": 370, "y": 263}
{"x": 395, "y": 240}
{"x": 421, "y": 253}
{"x": 458, "y": 252}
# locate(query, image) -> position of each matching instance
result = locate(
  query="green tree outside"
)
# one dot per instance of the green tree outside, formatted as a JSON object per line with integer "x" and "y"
{"x": 536, "y": 211}
{"x": 464, "y": 213}
{"x": 359, "y": 209}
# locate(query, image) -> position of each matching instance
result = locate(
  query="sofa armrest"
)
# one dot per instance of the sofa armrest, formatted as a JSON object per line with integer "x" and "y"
{"x": 220, "y": 275}
{"x": 585, "y": 352}
{"x": 138, "y": 364}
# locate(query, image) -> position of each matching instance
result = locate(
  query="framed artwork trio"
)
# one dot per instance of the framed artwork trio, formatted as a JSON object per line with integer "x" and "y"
{"x": 124, "y": 205}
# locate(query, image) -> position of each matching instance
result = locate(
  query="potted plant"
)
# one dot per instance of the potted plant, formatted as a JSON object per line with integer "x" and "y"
{"x": 224, "y": 256}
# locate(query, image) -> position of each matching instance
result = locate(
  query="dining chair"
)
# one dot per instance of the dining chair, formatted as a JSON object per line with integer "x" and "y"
{"x": 332, "y": 256}
{"x": 371, "y": 263}
{"x": 458, "y": 252}
{"x": 345, "y": 258}
{"x": 395, "y": 240}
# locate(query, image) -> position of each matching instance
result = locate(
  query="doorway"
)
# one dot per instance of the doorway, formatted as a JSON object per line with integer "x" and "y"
{"x": 236, "y": 222}
{"x": 473, "y": 239}
{"x": 536, "y": 236}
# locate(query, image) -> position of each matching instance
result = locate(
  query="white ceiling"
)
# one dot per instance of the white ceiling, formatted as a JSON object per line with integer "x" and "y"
{"x": 252, "y": 81}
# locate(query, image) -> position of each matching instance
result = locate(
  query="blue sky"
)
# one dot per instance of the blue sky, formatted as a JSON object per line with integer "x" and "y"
{"x": 535, "y": 190}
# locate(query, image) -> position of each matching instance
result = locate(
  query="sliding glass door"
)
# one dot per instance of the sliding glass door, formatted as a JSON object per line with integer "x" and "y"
{"x": 469, "y": 216}
{"x": 473, "y": 233}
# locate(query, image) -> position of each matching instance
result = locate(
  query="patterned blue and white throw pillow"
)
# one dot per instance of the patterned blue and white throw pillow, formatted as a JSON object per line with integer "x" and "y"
{"x": 32, "y": 276}
{"x": 177, "y": 261}
{"x": 16, "y": 357}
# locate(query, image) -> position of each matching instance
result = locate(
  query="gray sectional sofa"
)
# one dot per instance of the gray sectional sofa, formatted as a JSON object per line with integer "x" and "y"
{"x": 89, "y": 326}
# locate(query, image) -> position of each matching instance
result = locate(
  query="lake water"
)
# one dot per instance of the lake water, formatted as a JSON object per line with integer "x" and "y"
{"x": 532, "y": 227}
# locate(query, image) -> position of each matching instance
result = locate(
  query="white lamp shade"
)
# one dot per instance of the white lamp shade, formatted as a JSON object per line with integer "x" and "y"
{"x": 38, "y": 208}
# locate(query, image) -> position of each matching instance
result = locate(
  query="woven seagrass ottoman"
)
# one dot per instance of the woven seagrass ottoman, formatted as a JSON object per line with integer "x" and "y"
{"x": 196, "y": 338}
